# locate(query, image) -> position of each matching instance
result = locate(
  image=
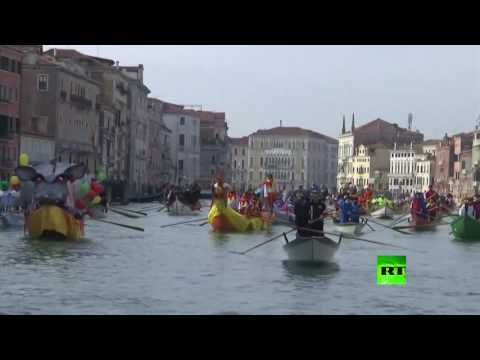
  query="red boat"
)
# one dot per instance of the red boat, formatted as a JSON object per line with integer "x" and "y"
{"x": 421, "y": 221}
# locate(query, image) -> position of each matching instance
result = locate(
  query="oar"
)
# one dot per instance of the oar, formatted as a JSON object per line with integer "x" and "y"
{"x": 131, "y": 216}
{"x": 399, "y": 220}
{"x": 263, "y": 243}
{"x": 163, "y": 207}
{"x": 204, "y": 223}
{"x": 347, "y": 236}
{"x": 184, "y": 222}
{"x": 388, "y": 227}
{"x": 366, "y": 223}
{"x": 122, "y": 225}
{"x": 128, "y": 210}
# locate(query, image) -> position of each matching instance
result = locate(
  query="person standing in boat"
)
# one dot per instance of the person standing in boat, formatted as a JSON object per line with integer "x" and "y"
{"x": 346, "y": 211}
{"x": 316, "y": 213}
{"x": 171, "y": 197}
{"x": 355, "y": 212}
{"x": 301, "y": 213}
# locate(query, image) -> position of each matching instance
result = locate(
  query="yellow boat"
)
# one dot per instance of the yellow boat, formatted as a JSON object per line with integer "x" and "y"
{"x": 52, "y": 219}
{"x": 224, "y": 219}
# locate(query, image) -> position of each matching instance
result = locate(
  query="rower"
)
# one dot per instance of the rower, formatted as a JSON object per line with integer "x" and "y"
{"x": 316, "y": 212}
{"x": 346, "y": 210}
{"x": 355, "y": 212}
{"x": 171, "y": 197}
{"x": 301, "y": 213}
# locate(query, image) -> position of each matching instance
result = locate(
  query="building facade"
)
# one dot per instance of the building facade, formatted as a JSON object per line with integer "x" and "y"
{"x": 294, "y": 156}
{"x": 424, "y": 171}
{"x": 374, "y": 132}
{"x": 10, "y": 93}
{"x": 402, "y": 175}
{"x": 444, "y": 165}
{"x": 185, "y": 131}
{"x": 238, "y": 151}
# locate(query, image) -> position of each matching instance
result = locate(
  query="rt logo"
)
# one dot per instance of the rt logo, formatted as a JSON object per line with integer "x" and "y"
{"x": 392, "y": 270}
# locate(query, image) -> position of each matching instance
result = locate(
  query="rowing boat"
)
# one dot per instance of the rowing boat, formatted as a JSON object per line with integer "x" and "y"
{"x": 466, "y": 228}
{"x": 349, "y": 228}
{"x": 383, "y": 213}
{"x": 422, "y": 222}
{"x": 311, "y": 249}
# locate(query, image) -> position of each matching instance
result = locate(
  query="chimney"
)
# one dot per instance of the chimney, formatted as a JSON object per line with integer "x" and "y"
{"x": 280, "y": 123}
{"x": 117, "y": 64}
{"x": 410, "y": 120}
{"x": 353, "y": 122}
{"x": 140, "y": 73}
{"x": 343, "y": 126}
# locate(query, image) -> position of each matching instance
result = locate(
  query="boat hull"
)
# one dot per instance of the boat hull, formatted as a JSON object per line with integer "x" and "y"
{"x": 12, "y": 220}
{"x": 422, "y": 223}
{"x": 54, "y": 220}
{"x": 466, "y": 228}
{"x": 311, "y": 249}
{"x": 224, "y": 219}
{"x": 179, "y": 208}
{"x": 350, "y": 228}
{"x": 383, "y": 213}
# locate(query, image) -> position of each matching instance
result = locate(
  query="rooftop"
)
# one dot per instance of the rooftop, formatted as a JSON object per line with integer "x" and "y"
{"x": 294, "y": 131}
{"x": 74, "y": 54}
{"x": 239, "y": 141}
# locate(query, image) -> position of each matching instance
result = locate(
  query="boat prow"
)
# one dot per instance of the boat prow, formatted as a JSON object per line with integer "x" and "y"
{"x": 466, "y": 228}
{"x": 383, "y": 213}
{"x": 311, "y": 249}
{"x": 51, "y": 219}
{"x": 350, "y": 228}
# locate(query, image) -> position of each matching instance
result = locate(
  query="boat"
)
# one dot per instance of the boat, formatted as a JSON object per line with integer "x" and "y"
{"x": 420, "y": 222}
{"x": 12, "y": 220}
{"x": 349, "y": 228}
{"x": 179, "y": 208}
{"x": 311, "y": 249}
{"x": 52, "y": 220}
{"x": 224, "y": 219}
{"x": 465, "y": 228}
{"x": 284, "y": 214}
{"x": 383, "y": 213}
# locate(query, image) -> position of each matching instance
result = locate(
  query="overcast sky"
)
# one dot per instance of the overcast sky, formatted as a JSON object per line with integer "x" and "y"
{"x": 313, "y": 86}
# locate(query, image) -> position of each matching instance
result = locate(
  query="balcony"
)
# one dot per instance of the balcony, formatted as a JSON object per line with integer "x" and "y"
{"x": 80, "y": 100}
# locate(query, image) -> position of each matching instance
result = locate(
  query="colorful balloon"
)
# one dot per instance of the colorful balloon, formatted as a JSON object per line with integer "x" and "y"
{"x": 84, "y": 189}
{"x": 80, "y": 204}
{"x": 97, "y": 200}
{"x": 91, "y": 195}
{"x": 101, "y": 176}
{"x": 4, "y": 185}
{"x": 14, "y": 180}
{"x": 97, "y": 187}
{"x": 24, "y": 160}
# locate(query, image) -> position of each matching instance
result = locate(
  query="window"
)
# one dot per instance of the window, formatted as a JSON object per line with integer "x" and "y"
{"x": 213, "y": 159}
{"x": 180, "y": 164}
{"x": 182, "y": 120}
{"x": 251, "y": 161}
{"x": 261, "y": 161}
{"x": 235, "y": 151}
{"x": 235, "y": 164}
{"x": 42, "y": 82}
{"x": 4, "y": 62}
{"x": 181, "y": 140}
{"x": 243, "y": 164}
{"x": 243, "y": 152}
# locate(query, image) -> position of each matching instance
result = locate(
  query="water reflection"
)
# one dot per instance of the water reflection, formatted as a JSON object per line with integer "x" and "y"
{"x": 309, "y": 269}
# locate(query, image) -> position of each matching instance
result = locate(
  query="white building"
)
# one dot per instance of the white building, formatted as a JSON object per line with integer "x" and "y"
{"x": 185, "y": 146}
{"x": 424, "y": 171}
{"x": 294, "y": 156}
{"x": 401, "y": 178}
{"x": 239, "y": 163}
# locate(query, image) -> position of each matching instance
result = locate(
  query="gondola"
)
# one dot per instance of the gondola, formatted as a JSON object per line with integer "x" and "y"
{"x": 311, "y": 249}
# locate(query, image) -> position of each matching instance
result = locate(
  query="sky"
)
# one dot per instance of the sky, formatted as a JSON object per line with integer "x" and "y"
{"x": 313, "y": 86}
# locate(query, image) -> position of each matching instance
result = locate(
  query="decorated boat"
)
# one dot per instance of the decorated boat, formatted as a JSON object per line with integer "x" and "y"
{"x": 465, "y": 228}
{"x": 225, "y": 219}
{"x": 50, "y": 214}
{"x": 311, "y": 248}
{"x": 422, "y": 222}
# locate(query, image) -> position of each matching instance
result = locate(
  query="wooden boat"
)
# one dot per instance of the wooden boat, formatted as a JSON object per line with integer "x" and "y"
{"x": 286, "y": 216}
{"x": 383, "y": 213}
{"x": 12, "y": 220}
{"x": 311, "y": 249}
{"x": 179, "y": 208}
{"x": 224, "y": 219}
{"x": 349, "y": 228}
{"x": 420, "y": 222}
{"x": 53, "y": 220}
{"x": 466, "y": 228}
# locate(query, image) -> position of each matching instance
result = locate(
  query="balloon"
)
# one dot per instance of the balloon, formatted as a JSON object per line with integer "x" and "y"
{"x": 80, "y": 204}
{"x": 101, "y": 176}
{"x": 14, "y": 180}
{"x": 24, "y": 160}
{"x": 84, "y": 189}
{"x": 91, "y": 195}
{"x": 96, "y": 200}
{"x": 16, "y": 187}
{"x": 4, "y": 185}
{"x": 98, "y": 188}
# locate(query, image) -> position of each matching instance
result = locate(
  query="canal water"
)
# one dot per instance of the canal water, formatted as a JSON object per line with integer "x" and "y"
{"x": 188, "y": 269}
